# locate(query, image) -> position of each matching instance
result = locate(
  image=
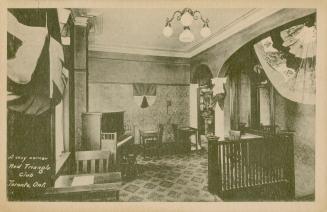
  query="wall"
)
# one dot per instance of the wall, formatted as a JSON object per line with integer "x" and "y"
{"x": 299, "y": 118}
{"x": 111, "y": 78}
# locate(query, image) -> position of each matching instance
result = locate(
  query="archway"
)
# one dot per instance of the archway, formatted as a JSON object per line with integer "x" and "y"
{"x": 201, "y": 74}
{"x": 201, "y": 110}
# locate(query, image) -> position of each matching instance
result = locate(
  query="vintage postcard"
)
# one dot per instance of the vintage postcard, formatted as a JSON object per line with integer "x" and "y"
{"x": 209, "y": 104}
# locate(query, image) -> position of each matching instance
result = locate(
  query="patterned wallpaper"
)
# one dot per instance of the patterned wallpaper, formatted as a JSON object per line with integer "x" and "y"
{"x": 105, "y": 97}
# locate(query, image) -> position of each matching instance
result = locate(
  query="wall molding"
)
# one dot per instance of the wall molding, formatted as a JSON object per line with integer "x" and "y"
{"x": 139, "y": 58}
{"x": 129, "y": 83}
{"x": 251, "y": 17}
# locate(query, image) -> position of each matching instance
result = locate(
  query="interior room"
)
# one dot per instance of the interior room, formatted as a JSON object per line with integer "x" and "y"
{"x": 169, "y": 105}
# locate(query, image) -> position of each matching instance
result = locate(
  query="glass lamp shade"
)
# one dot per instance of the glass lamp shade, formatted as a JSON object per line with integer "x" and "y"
{"x": 186, "y": 19}
{"x": 186, "y": 36}
{"x": 205, "y": 32}
{"x": 167, "y": 31}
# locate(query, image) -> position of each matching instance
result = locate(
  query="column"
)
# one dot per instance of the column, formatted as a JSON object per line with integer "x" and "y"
{"x": 219, "y": 112}
{"x": 79, "y": 77}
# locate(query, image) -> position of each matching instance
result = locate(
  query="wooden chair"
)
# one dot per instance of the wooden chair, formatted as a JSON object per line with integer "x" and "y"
{"x": 234, "y": 135}
{"x": 129, "y": 129}
{"x": 128, "y": 154}
{"x": 92, "y": 180}
{"x": 152, "y": 139}
{"x": 109, "y": 143}
{"x": 160, "y": 135}
{"x": 92, "y": 161}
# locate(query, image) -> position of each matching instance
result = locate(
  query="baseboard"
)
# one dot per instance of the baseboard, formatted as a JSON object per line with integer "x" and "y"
{"x": 309, "y": 197}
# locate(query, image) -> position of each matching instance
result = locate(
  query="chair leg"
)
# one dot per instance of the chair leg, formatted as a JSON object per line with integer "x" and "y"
{"x": 196, "y": 143}
{"x": 117, "y": 195}
{"x": 199, "y": 139}
{"x": 144, "y": 148}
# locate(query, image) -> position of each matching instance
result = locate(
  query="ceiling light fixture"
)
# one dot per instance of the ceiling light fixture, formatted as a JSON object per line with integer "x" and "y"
{"x": 186, "y": 17}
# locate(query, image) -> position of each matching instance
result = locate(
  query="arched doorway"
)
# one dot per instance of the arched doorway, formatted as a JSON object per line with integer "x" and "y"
{"x": 202, "y": 90}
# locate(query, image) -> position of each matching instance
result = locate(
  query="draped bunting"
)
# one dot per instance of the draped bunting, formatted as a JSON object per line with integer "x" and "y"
{"x": 292, "y": 73}
{"x": 31, "y": 38}
{"x": 58, "y": 73}
{"x": 144, "y": 94}
{"x": 219, "y": 91}
{"x": 36, "y": 72}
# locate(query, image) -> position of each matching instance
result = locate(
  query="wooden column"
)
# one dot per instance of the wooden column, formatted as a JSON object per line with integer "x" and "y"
{"x": 79, "y": 78}
{"x": 219, "y": 112}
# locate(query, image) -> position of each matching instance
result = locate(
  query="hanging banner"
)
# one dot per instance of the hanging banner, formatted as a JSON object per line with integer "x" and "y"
{"x": 144, "y": 94}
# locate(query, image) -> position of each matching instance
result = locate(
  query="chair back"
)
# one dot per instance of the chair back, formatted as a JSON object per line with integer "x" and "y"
{"x": 91, "y": 161}
{"x": 129, "y": 129}
{"x": 234, "y": 135}
{"x": 109, "y": 143}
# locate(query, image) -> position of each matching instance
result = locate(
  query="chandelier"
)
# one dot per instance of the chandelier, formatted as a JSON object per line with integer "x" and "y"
{"x": 186, "y": 17}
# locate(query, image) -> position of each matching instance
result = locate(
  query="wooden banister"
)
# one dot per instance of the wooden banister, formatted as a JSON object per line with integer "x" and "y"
{"x": 248, "y": 164}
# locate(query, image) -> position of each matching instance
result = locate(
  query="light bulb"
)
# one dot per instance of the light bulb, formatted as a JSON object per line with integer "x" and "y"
{"x": 167, "y": 31}
{"x": 205, "y": 32}
{"x": 186, "y": 19}
{"x": 186, "y": 36}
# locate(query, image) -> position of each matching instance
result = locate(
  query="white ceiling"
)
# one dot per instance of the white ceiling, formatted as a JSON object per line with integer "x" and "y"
{"x": 139, "y": 30}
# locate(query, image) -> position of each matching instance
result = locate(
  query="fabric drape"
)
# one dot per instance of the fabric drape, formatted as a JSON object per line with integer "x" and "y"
{"x": 292, "y": 73}
{"x": 36, "y": 73}
{"x": 219, "y": 91}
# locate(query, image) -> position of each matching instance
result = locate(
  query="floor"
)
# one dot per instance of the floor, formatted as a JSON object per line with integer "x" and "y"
{"x": 171, "y": 178}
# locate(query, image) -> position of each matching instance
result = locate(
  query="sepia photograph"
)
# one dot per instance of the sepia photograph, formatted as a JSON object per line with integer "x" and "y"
{"x": 161, "y": 104}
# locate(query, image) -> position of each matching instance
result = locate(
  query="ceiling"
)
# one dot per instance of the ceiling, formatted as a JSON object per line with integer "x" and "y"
{"x": 139, "y": 31}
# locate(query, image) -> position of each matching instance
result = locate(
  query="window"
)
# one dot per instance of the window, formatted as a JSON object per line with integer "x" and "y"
{"x": 252, "y": 100}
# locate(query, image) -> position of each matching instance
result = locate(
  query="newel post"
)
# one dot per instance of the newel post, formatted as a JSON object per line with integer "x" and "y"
{"x": 214, "y": 172}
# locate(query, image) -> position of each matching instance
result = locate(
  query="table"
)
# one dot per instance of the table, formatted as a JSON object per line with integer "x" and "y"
{"x": 85, "y": 187}
{"x": 185, "y": 132}
{"x": 246, "y": 136}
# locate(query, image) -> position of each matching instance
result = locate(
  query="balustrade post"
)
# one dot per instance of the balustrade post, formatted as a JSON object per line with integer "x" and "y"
{"x": 290, "y": 167}
{"x": 214, "y": 166}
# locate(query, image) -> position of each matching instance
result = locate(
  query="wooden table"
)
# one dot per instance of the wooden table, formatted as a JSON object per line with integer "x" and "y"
{"x": 85, "y": 187}
{"x": 185, "y": 132}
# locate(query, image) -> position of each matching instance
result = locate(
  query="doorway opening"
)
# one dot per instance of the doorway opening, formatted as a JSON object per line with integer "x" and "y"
{"x": 205, "y": 114}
